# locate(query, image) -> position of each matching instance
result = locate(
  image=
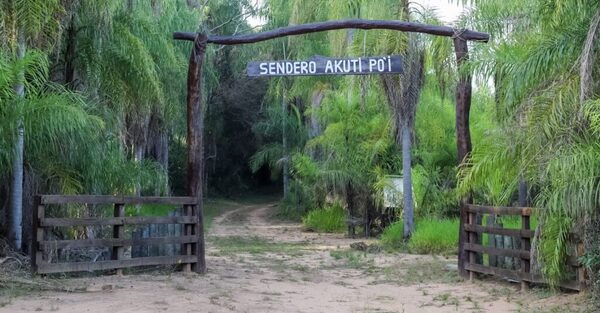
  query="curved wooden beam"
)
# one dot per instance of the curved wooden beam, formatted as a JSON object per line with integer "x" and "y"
{"x": 340, "y": 24}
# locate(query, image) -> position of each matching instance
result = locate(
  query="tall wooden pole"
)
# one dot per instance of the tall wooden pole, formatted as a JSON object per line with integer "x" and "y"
{"x": 463, "y": 135}
{"x": 195, "y": 127}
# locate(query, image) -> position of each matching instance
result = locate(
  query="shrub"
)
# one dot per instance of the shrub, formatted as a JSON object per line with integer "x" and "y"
{"x": 435, "y": 236}
{"x": 331, "y": 219}
{"x": 391, "y": 238}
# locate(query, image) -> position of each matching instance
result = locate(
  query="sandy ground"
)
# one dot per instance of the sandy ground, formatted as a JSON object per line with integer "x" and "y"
{"x": 257, "y": 264}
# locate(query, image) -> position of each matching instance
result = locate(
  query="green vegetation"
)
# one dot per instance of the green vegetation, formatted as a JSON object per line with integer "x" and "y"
{"x": 92, "y": 94}
{"x": 392, "y": 237}
{"x": 331, "y": 219}
{"x": 435, "y": 236}
{"x": 431, "y": 236}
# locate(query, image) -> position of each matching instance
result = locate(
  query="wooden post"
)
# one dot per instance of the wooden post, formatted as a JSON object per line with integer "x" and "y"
{"x": 37, "y": 233}
{"x": 463, "y": 257}
{"x": 118, "y": 233}
{"x": 463, "y": 135}
{"x": 195, "y": 126}
{"x": 472, "y": 240}
{"x": 188, "y": 230}
{"x": 525, "y": 245}
{"x": 580, "y": 251}
{"x": 199, "y": 247}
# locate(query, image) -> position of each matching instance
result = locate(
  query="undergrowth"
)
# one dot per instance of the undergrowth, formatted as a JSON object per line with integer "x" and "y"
{"x": 431, "y": 236}
{"x": 435, "y": 236}
{"x": 330, "y": 219}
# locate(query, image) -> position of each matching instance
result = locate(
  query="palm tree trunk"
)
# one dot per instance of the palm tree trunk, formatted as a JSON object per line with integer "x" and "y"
{"x": 138, "y": 157}
{"x": 16, "y": 220}
{"x": 407, "y": 181}
{"x": 522, "y": 192}
{"x": 286, "y": 169}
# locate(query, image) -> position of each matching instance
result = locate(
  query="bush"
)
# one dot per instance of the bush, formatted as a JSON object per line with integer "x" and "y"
{"x": 391, "y": 238}
{"x": 435, "y": 236}
{"x": 431, "y": 236}
{"x": 331, "y": 219}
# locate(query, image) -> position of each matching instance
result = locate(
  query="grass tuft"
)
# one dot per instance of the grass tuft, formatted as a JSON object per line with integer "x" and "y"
{"x": 328, "y": 220}
{"x": 391, "y": 238}
{"x": 435, "y": 236}
{"x": 431, "y": 236}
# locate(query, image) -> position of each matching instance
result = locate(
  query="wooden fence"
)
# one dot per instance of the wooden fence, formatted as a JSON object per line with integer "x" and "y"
{"x": 520, "y": 251}
{"x": 45, "y": 222}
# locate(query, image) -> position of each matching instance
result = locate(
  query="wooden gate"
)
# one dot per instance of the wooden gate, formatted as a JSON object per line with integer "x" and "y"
{"x": 521, "y": 251}
{"x": 117, "y": 238}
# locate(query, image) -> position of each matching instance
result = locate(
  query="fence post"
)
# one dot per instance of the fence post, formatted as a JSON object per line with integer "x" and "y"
{"x": 462, "y": 238}
{"x": 37, "y": 233}
{"x": 118, "y": 233}
{"x": 188, "y": 231}
{"x": 580, "y": 250}
{"x": 525, "y": 245}
{"x": 472, "y": 240}
{"x": 200, "y": 249}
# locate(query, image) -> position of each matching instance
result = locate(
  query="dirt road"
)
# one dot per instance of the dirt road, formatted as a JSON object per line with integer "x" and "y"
{"x": 257, "y": 264}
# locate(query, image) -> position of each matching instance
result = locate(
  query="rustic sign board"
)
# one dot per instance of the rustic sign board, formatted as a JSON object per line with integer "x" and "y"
{"x": 319, "y": 65}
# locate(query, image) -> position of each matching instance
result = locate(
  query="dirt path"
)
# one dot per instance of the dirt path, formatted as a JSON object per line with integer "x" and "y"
{"x": 260, "y": 265}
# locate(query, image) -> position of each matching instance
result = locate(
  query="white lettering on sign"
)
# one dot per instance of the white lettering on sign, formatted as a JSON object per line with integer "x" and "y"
{"x": 327, "y": 66}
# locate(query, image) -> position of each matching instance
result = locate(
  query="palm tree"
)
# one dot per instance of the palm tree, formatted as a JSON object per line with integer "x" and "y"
{"x": 547, "y": 107}
{"x": 30, "y": 22}
{"x": 403, "y": 95}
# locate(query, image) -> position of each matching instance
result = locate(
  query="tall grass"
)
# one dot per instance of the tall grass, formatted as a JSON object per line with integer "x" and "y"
{"x": 391, "y": 238}
{"x": 435, "y": 236}
{"x": 330, "y": 219}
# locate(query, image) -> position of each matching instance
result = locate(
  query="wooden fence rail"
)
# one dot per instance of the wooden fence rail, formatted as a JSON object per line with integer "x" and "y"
{"x": 116, "y": 244}
{"x": 475, "y": 249}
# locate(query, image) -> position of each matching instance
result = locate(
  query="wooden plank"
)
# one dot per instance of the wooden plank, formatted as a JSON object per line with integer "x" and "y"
{"x": 571, "y": 285}
{"x": 137, "y": 220}
{"x": 49, "y": 268}
{"x": 496, "y": 271}
{"x": 496, "y": 251}
{"x": 518, "y": 276}
{"x": 320, "y": 65}
{"x": 110, "y": 242}
{"x": 522, "y": 233}
{"x": 339, "y": 24}
{"x": 499, "y": 210}
{"x": 100, "y": 199}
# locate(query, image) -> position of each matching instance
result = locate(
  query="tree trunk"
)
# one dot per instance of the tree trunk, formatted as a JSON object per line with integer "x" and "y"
{"x": 16, "y": 220}
{"x": 407, "y": 181}
{"x": 315, "y": 126}
{"x": 286, "y": 168}
{"x": 138, "y": 157}
{"x": 522, "y": 192}
{"x": 71, "y": 41}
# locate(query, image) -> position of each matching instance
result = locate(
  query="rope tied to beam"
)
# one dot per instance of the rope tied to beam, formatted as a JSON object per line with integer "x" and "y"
{"x": 458, "y": 33}
{"x": 199, "y": 46}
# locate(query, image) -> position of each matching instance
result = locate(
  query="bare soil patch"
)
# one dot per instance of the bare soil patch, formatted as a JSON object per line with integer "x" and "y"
{"x": 257, "y": 264}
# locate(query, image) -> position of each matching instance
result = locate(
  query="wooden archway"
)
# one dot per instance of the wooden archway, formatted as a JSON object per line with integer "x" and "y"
{"x": 195, "y": 118}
